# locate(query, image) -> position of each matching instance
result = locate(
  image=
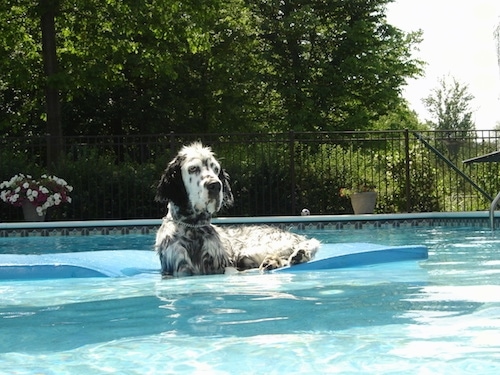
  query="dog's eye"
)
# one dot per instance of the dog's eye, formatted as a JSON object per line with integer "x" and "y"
{"x": 194, "y": 169}
{"x": 215, "y": 167}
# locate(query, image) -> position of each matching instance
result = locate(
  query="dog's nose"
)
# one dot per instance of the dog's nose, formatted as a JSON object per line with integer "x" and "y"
{"x": 214, "y": 188}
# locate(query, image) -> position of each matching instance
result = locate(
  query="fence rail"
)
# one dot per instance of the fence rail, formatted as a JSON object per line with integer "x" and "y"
{"x": 271, "y": 174}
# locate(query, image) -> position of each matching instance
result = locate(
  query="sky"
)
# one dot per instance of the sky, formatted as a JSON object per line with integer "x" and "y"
{"x": 458, "y": 42}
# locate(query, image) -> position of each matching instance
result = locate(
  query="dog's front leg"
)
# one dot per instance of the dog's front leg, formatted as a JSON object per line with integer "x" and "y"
{"x": 175, "y": 261}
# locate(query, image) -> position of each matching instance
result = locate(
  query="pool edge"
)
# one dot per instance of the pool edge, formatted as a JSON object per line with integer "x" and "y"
{"x": 478, "y": 219}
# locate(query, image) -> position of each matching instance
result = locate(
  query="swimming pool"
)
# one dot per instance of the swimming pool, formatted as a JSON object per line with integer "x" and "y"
{"x": 441, "y": 315}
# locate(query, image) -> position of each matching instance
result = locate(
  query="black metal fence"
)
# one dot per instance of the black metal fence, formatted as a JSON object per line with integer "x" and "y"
{"x": 114, "y": 177}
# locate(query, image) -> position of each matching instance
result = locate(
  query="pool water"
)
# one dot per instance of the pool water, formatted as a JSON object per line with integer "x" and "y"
{"x": 436, "y": 316}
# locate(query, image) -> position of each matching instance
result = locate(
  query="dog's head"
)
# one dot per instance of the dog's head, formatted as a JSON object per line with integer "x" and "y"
{"x": 195, "y": 181}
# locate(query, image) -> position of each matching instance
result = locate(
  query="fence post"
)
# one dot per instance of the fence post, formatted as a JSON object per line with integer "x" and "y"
{"x": 407, "y": 169}
{"x": 292, "y": 169}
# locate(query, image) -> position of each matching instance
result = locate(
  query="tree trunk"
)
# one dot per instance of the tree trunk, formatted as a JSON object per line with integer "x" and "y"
{"x": 52, "y": 101}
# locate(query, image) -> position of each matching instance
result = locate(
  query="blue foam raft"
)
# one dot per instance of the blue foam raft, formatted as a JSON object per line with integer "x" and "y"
{"x": 120, "y": 263}
{"x": 355, "y": 254}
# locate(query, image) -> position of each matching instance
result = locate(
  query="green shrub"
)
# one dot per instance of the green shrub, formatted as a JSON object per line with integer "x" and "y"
{"x": 423, "y": 183}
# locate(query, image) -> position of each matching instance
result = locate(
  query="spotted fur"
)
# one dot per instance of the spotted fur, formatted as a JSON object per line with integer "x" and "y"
{"x": 195, "y": 187}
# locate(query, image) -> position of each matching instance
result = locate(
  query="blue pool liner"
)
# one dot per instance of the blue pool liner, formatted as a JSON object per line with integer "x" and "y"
{"x": 121, "y": 263}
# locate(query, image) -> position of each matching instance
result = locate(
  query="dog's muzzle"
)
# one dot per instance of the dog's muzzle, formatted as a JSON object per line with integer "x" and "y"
{"x": 214, "y": 188}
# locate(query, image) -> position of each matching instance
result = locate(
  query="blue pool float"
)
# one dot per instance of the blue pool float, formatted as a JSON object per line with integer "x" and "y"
{"x": 355, "y": 254}
{"x": 120, "y": 263}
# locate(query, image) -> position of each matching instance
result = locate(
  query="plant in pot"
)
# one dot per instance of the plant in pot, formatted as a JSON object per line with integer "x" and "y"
{"x": 363, "y": 196}
{"x": 35, "y": 196}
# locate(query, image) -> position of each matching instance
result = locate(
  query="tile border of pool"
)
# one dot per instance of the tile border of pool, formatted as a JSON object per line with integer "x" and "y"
{"x": 476, "y": 219}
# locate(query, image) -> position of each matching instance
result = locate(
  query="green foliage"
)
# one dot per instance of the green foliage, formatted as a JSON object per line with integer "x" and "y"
{"x": 105, "y": 188}
{"x": 128, "y": 67}
{"x": 335, "y": 65}
{"x": 260, "y": 178}
{"x": 17, "y": 161}
{"x": 400, "y": 117}
{"x": 322, "y": 172}
{"x": 21, "y": 85}
{"x": 450, "y": 107}
{"x": 423, "y": 186}
{"x": 276, "y": 174}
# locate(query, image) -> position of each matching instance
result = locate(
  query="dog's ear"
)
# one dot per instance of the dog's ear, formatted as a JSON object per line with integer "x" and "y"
{"x": 171, "y": 187}
{"x": 227, "y": 194}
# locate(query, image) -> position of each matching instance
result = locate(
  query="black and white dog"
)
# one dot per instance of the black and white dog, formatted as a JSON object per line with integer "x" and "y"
{"x": 195, "y": 187}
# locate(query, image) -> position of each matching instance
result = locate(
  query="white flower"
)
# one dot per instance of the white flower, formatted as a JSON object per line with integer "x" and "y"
{"x": 57, "y": 199}
{"x": 45, "y": 192}
{"x": 39, "y": 210}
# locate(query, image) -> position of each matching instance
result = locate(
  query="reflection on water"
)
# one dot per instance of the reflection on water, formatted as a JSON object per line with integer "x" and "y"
{"x": 436, "y": 316}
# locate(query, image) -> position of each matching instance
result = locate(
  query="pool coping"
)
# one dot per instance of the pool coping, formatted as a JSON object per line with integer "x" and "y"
{"x": 477, "y": 219}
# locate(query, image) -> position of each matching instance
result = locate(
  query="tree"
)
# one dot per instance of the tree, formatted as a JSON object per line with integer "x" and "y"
{"x": 21, "y": 70}
{"x": 127, "y": 67}
{"x": 48, "y": 10}
{"x": 183, "y": 66}
{"x": 334, "y": 64}
{"x": 450, "y": 107}
{"x": 401, "y": 117}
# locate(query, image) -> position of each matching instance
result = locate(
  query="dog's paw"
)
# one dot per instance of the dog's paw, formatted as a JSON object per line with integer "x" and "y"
{"x": 300, "y": 256}
{"x": 230, "y": 271}
{"x": 271, "y": 263}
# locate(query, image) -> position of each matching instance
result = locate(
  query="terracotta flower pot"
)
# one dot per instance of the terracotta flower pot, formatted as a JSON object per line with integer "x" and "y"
{"x": 30, "y": 214}
{"x": 364, "y": 203}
